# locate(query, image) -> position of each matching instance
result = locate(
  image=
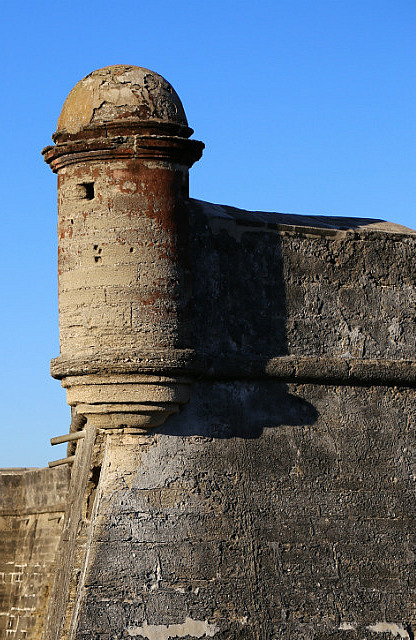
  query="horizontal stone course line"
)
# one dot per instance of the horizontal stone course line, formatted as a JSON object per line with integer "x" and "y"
{"x": 319, "y": 370}
{"x": 32, "y": 512}
{"x": 169, "y": 148}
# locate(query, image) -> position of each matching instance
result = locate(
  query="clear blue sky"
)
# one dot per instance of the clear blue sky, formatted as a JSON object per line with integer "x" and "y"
{"x": 305, "y": 106}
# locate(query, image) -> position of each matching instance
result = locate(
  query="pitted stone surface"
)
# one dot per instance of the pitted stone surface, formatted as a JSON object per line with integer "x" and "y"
{"x": 261, "y": 511}
{"x": 32, "y": 507}
{"x": 120, "y": 92}
{"x": 277, "y": 504}
{"x": 246, "y": 384}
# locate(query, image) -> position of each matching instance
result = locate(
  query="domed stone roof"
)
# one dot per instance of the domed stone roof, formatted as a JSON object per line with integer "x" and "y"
{"x": 118, "y": 93}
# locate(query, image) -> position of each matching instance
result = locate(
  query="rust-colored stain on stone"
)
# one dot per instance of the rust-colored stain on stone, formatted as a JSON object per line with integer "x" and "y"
{"x": 122, "y": 156}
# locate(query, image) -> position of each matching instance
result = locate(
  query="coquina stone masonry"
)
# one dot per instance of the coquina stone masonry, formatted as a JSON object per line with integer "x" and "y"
{"x": 32, "y": 509}
{"x": 122, "y": 156}
{"x": 244, "y": 385}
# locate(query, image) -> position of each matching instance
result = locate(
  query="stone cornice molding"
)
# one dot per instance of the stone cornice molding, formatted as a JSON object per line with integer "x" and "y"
{"x": 123, "y": 143}
{"x": 316, "y": 369}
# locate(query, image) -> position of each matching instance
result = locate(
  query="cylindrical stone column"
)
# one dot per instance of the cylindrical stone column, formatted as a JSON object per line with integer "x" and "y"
{"x": 122, "y": 154}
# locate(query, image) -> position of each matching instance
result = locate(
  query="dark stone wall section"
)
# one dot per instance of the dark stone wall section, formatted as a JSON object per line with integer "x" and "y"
{"x": 268, "y": 289}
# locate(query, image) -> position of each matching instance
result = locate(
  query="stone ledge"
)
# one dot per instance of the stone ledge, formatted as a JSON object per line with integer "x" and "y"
{"x": 319, "y": 369}
{"x": 113, "y": 401}
{"x": 166, "y": 147}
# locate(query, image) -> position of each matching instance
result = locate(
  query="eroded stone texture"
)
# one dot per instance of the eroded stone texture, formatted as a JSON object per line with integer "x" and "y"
{"x": 269, "y": 284}
{"x": 278, "y": 501}
{"x": 245, "y": 385}
{"x": 120, "y": 92}
{"x": 264, "y": 510}
{"x": 127, "y": 245}
{"x": 32, "y": 508}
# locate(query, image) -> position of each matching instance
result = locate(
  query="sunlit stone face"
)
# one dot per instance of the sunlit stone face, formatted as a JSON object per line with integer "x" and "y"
{"x": 120, "y": 92}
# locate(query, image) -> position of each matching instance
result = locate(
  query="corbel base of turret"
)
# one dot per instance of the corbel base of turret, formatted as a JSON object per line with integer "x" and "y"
{"x": 132, "y": 401}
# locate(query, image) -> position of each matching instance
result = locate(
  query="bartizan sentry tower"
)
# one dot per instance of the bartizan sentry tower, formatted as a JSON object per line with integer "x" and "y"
{"x": 122, "y": 153}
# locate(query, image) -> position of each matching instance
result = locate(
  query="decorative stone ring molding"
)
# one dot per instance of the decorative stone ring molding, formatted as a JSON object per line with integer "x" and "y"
{"x": 126, "y": 146}
{"x": 126, "y": 401}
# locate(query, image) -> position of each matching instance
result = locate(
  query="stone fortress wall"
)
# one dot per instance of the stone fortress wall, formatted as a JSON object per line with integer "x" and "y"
{"x": 242, "y": 391}
{"x": 32, "y": 508}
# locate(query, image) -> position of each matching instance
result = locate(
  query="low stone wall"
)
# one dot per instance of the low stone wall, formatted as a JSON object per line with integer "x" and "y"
{"x": 32, "y": 505}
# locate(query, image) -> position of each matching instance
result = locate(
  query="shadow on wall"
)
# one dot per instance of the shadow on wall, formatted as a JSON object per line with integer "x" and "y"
{"x": 240, "y": 316}
{"x": 239, "y": 311}
{"x": 240, "y": 276}
{"x": 239, "y": 410}
{"x": 238, "y": 289}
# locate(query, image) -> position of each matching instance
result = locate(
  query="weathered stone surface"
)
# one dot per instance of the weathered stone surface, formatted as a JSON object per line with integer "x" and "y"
{"x": 32, "y": 507}
{"x": 118, "y": 93}
{"x": 245, "y": 384}
{"x": 262, "y": 510}
{"x": 264, "y": 289}
{"x": 278, "y": 502}
{"x": 267, "y": 286}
